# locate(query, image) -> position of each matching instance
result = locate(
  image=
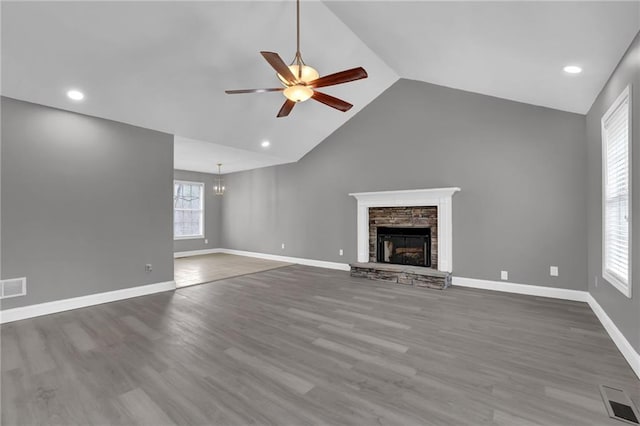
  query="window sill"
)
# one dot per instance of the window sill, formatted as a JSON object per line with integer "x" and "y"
{"x": 617, "y": 283}
{"x": 191, "y": 237}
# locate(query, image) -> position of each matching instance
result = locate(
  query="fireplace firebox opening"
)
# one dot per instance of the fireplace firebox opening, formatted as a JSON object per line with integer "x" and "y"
{"x": 404, "y": 246}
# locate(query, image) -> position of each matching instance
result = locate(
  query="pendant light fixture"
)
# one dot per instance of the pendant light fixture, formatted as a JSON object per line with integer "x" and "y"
{"x": 219, "y": 187}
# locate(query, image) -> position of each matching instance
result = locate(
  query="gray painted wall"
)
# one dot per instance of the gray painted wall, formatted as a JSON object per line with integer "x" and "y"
{"x": 86, "y": 203}
{"x": 624, "y": 312}
{"x": 522, "y": 170}
{"x": 212, "y": 213}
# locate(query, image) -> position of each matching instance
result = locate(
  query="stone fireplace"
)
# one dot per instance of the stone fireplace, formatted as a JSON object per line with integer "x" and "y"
{"x": 405, "y": 237}
{"x": 410, "y": 227}
{"x": 404, "y": 246}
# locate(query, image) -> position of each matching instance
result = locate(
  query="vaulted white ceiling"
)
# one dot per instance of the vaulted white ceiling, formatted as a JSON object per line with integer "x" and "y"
{"x": 509, "y": 49}
{"x": 165, "y": 65}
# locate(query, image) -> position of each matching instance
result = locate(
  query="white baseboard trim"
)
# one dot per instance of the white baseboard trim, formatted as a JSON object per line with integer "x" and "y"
{"x": 628, "y": 352}
{"x": 196, "y": 252}
{"x": 298, "y": 260}
{"x": 31, "y": 311}
{"x": 532, "y": 290}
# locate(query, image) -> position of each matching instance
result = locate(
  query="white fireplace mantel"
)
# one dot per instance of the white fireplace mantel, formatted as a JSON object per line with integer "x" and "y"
{"x": 439, "y": 197}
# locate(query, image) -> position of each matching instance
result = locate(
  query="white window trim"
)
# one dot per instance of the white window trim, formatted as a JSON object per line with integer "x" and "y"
{"x": 202, "y": 216}
{"x": 624, "y": 288}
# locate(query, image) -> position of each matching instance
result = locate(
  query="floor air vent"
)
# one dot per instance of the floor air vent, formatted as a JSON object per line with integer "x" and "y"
{"x": 13, "y": 287}
{"x": 619, "y": 405}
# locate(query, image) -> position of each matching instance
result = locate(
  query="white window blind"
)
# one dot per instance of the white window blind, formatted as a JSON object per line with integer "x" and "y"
{"x": 616, "y": 147}
{"x": 188, "y": 210}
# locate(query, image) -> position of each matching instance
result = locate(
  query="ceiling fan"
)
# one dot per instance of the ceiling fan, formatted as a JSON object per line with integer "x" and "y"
{"x": 300, "y": 81}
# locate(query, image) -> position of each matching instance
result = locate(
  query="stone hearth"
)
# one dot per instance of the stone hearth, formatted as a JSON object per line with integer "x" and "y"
{"x": 414, "y": 276}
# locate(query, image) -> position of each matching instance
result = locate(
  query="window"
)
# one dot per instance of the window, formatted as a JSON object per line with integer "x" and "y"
{"x": 616, "y": 193}
{"x": 188, "y": 210}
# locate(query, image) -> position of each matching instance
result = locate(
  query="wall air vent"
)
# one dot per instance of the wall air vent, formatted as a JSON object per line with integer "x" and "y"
{"x": 13, "y": 287}
{"x": 619, "y": 405}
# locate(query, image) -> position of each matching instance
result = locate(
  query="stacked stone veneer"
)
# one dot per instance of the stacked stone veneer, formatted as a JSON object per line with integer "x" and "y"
{"x": 426, "y": 216}
{"x": 415, "y": 276}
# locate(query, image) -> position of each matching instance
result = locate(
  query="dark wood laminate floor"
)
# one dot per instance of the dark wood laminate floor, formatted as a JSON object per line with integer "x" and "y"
{"x": 301, "y": 345}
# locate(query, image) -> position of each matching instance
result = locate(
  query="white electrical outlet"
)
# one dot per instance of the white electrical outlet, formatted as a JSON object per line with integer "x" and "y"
{"x": 206, "y": 241}
{"x": 553, "y": 271}
{"x": 148, "y": 267}
{"x": 595, "y": 279}
{"x": 341, "y": 252}
{"x": 282, "y": 246}
{"x": 504, "y": 275}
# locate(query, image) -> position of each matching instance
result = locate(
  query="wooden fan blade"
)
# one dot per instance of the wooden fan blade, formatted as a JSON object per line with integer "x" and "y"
{"x": 332, "y": 101}
{"x": 286, "y": 108}
{"x": 235, "y": 92}
{"x": 279, "y": 65}
{"x": 339, "y": 78}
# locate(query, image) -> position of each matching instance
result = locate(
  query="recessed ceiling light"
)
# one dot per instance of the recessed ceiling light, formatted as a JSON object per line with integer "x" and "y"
{"x": 265, "y": 144}
{"x": 76, "y": 95}
{"x": 572, "y": 69}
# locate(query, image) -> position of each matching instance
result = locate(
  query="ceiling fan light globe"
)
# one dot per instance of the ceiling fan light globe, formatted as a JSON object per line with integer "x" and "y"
{"x": 308, "y": 74}
{"x": 298, "y": 93}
